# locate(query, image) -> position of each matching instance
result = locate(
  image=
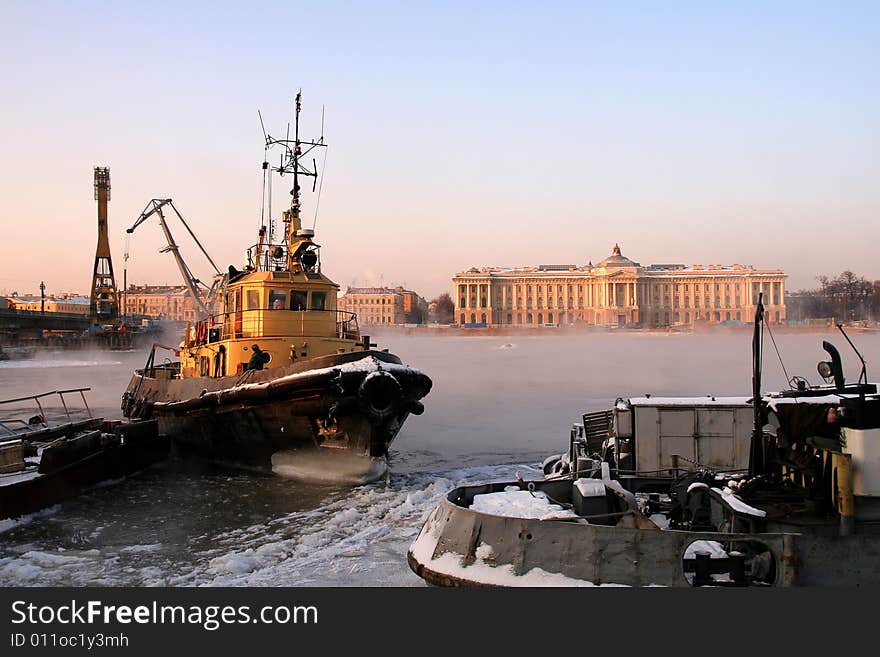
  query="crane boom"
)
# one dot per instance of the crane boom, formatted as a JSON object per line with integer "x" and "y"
{"x": 190, "y": 281}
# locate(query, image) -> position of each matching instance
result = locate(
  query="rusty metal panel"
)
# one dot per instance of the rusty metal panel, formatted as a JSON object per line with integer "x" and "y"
{"x": 715, "y": 437}
{"x": 677, "y": 429}
{"x": 742, "y": 431}
{"x": 646, "y": 429}
{"x": 715, "y": 422}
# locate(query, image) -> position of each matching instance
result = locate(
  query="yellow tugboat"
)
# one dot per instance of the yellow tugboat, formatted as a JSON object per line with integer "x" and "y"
{"x": 279, "y": 377}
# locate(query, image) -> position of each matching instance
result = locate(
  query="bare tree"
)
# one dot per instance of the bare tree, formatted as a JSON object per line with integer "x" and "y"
{"x": 443, "y": 309}
{"x": 849, "y": 295}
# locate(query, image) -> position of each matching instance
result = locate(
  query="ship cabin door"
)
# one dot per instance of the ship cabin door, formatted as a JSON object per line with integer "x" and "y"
{"x": 238, "y": 312}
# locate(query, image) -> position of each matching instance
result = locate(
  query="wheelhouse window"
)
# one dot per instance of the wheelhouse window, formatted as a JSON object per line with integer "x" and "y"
{"x": 319, "y": 299}
{"x": 253, "y": 299}
{"x": 277, "y": 299}
{"x": 299, "y": 300}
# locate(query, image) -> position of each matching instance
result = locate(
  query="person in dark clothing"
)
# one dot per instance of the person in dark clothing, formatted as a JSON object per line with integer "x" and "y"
{"x": 258, "y": 358}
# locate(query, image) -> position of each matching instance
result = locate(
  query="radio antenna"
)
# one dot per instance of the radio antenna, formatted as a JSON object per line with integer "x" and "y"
{"x": 863, "y": 375}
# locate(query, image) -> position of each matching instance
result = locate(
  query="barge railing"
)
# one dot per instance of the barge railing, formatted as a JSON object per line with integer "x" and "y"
{"x": 41, "y": 412}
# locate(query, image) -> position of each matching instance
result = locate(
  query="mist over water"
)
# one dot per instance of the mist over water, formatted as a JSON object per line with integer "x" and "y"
{"x": 498, "y": 405}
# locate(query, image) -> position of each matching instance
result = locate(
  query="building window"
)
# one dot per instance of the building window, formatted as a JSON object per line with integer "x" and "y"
{"x": 509, "y": 318}
{"x": 550, "y": 317}
{"x": 463, "y": 319}
{"x": 529, "y": 318}
{"x": 473, "y": 318}
{"x": 540, "y": 318}
{"x": 483, "y": 318}
{"x": 519, "y": 318}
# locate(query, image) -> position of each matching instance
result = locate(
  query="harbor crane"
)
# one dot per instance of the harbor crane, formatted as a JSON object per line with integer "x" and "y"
{"x": 104, "y": 300}
{"x": 202, "y": 300}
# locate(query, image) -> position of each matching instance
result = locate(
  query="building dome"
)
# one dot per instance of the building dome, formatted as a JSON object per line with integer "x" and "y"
{"x": 616, "y": 260}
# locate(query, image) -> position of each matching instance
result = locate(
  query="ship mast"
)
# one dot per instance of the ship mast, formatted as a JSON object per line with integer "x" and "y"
{"x": 297, "y": 239}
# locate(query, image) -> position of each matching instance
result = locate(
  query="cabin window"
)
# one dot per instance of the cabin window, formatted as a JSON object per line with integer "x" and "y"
{"x": 318, "y": 300}
{"x": 277, "y": 299}
{"x": 298, "y": 299}
{"x": 253, "y": 299}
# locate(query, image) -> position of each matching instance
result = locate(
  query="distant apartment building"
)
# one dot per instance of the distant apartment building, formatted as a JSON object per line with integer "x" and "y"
{"x": 617, "y": 292}
{"x": 68, "y": 303}
{"x": 384, "y": 305}
{"x": 160, "y": 301}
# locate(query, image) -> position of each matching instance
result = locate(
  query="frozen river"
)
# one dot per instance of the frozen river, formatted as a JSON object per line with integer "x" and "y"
{"x": 499, "y": 405}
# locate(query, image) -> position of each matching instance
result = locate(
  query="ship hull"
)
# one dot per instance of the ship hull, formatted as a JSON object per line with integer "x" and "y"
{"x": 350, "y": 405}
{"x": 458, "y": 546}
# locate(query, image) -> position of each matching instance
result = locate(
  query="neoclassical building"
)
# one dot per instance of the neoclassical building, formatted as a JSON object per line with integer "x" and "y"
{"x": 617, "y": 292}
{"x": 384, "y": 305}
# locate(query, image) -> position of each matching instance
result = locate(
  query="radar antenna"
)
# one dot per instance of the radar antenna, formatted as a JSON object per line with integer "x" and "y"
{"x": 294, "y": 152}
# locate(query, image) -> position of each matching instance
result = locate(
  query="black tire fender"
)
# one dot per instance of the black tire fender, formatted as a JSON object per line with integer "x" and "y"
{"x": 379, "y": 396}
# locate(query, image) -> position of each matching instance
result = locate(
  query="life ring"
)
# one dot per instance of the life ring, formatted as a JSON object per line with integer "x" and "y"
{"x": 379, "y": 396}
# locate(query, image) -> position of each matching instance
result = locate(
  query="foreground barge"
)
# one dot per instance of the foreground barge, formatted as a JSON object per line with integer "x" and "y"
{"x": 805, "y": 509}
{"x": 44, "y": 461}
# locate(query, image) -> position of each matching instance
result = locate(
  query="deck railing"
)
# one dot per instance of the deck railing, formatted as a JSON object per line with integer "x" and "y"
{"x": 244, "y": 323}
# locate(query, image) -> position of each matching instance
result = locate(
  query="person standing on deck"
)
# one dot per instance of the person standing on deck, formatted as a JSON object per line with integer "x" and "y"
{"x": 258, "y": 359}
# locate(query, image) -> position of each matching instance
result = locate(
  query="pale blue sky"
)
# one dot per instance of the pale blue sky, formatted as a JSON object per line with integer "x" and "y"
{"x": 460, "y": 134}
